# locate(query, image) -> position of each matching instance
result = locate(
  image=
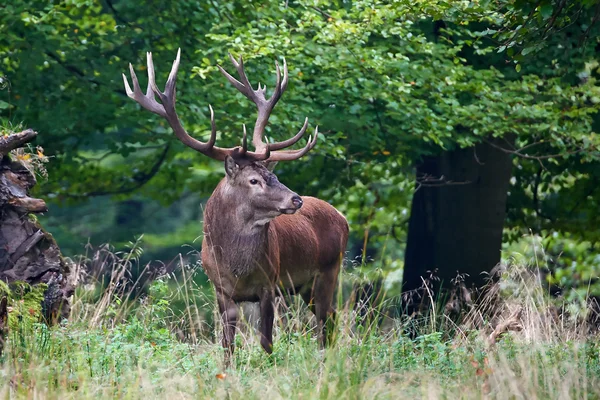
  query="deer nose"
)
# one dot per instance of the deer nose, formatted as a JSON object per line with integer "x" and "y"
{"x": 297, "y": 201}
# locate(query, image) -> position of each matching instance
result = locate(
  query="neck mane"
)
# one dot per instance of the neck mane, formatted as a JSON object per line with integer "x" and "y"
{"x": 238, "y": 243}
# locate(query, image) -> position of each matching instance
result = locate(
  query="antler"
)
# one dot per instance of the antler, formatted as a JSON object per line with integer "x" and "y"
{"x": 166, "y": 109}
{"x": 265, "y": 107}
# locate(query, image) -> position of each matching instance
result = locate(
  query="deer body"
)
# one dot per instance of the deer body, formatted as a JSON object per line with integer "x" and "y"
{"x": 252, "y": 256}
{"x": 288, "y": 251}
{"x": 260, "y": 238}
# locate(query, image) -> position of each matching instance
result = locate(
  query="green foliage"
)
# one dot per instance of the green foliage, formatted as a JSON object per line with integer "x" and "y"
{"x": 571, "y": 265}
{"x": 140, "y": 357}
{"x": 25, "y": 302}
{"x": 386, "y": 82}
{"x": 524, "y": 27}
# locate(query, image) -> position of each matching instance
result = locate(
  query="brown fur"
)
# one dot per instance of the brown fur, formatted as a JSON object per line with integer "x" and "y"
{"x": 301, "y": 251}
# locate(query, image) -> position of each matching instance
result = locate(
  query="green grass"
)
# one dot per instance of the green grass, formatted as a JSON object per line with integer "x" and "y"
{"x": 134, "y": 352}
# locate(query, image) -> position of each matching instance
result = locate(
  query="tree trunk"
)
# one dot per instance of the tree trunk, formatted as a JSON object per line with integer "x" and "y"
{"x": 27, "y": 252}
{"x": 456, "y": 221}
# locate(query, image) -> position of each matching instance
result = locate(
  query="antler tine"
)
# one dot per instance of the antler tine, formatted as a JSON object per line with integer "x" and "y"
{"x": 280, "y": 85}
{"x": 147, "y": 101}
{"x": 152, "y": 88}
{"x": 231, "y": 79}
{"x": 284, "y": 83}
{"x": 166, "y": 109}
{"x": 277, "y": 92}
{"x": 239, "y": 66}
{"x": 244, "y": 141}
{"x": 213, "y": 128}
{"x": 289, "y": 155}
{"x": 167, "y": 97}
{"x": 172, "y": 79}
{"x": 243, "y": 85}
{"x": 290, "y": 141}
{"x": 134, "y": 79}
{"x": 265, "y": 106}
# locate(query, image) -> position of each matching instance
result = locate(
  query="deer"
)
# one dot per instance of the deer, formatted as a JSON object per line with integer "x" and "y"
{"x": 260, "y": 238}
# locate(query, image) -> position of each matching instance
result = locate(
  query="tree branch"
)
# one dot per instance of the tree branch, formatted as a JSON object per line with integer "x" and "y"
{"x": 536, "y": 200}
{"x": 528, "y": 157}
{"x": 587, "y": 31}
{"x": 323, "y": 13}
{"x": 79, "y": 73}
{"x": 141, "y": 179}
{"x": 115, "y": 13}
{"x": 15, "y": 140}
{"x": 427, "y": 180}
{"x": 512, "y": 323}
{"x": 516, "y": 32}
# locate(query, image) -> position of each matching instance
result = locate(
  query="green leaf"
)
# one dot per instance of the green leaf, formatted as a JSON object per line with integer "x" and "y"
{"x": 545, "y": 10}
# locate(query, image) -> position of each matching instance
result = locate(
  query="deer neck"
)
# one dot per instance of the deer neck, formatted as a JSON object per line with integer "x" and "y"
{"x": 239, "y": 243}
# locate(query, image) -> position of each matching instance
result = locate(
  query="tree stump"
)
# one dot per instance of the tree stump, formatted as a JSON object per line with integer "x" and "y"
{"x": 27, "y": 252}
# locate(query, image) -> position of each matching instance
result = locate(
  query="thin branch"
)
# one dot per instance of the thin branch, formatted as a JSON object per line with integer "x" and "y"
{"x": 109, "y": 153}
{"x": 512, "y": 323}
{"x": 528, "y": 157}
{"x": 323, "y": 13}
{"x": 587, "y": 31}
{"x": 574, "y": 19}
{"x": 427, "y": 180}
{"x": 15, "y": 140}
{"x": 593, "y": 187}
{"x": 536, "y": 200}
{"x": 552, "y": 21}
{"x": 476, "y": 156}
{"x": 509, "y": 143}
{"x": 79, "y": 73}
{"x": 115, "y": 13}
{"x": 140, "y": 179}
{"x": 516, "y": 32}
{"x": 216, "y": 7}
{"x": 527, "y": 146}
{"x": 379, "y": 121}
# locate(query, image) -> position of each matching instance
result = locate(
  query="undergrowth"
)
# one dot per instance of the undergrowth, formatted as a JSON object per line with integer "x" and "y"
{"x": 512, "y": 346}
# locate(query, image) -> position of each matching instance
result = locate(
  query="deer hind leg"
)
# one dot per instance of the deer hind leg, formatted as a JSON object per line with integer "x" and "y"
{"x": 307, "y": 293}
{"x": 323, "y": 291}
{"x": 229, "y": 316}
{"x": 267, "y": 314}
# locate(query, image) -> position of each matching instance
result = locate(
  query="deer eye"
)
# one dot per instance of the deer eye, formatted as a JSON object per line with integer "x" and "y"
{"x": 253, "y": 181}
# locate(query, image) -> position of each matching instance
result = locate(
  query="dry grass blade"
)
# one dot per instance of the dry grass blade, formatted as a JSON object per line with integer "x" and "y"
{"x": 512, "y": 323}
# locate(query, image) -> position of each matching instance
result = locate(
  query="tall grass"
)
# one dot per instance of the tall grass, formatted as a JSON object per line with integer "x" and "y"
{"x": 515, "y": 344}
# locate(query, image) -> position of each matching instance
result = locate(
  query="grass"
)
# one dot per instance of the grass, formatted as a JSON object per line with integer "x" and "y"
{"x": 511, "y": 346}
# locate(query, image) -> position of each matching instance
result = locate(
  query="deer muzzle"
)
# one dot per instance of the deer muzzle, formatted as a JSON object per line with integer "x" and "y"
{"x": 296, "y": 204}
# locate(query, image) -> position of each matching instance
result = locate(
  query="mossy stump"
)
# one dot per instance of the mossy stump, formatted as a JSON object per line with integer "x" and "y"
{"x": 28, "y": 254}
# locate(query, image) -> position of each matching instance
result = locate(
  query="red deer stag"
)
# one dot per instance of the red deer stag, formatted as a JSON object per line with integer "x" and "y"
{"x": 259, "y": 236}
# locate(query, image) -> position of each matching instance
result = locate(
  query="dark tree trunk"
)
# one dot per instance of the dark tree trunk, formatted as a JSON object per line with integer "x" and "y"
{"x": 3, "y": 320}
{"x": 27, "y": 252}
{"x": 456, "y": 220}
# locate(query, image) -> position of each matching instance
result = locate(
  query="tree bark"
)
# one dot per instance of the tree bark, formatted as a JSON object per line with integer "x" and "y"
{"x": 27, "y": 252}
{"x": 456, "y": 221}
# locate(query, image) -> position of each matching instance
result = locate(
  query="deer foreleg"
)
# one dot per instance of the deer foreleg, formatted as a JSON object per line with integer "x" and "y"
{"x": 267, "y": 315}
{"x": 229, "y": 316}
{"x": 324, "y": 289}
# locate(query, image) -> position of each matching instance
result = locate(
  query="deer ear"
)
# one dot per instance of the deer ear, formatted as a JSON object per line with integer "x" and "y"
{"x": 270, "y": 165}
{"x": 231, "y": 167}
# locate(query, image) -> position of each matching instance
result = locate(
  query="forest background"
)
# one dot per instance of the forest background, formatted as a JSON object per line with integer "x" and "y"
{"x": 452, "y": 130}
